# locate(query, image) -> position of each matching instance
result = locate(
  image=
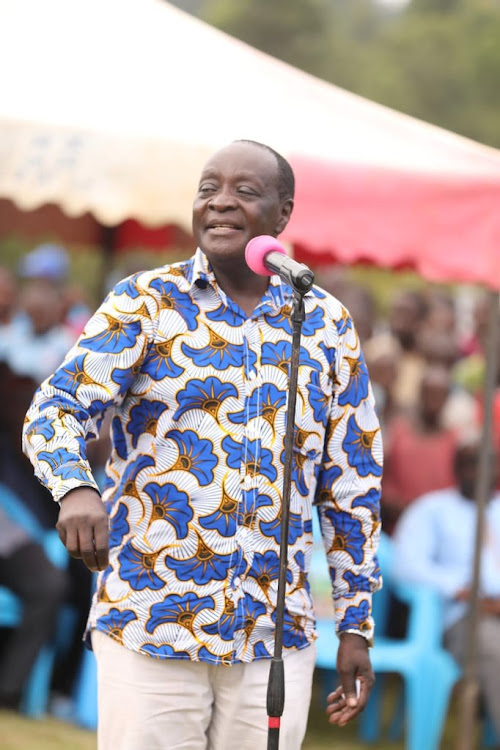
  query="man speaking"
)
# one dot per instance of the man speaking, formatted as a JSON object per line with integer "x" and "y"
{"x": 192, "y": 359}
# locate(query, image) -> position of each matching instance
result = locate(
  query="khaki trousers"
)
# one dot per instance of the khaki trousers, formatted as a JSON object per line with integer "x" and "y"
{"x": 154, "y": 704}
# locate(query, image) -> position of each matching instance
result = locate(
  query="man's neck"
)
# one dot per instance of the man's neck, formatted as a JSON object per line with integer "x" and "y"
{"x": 241, "y": 285}
{"x": 429, "y": 424}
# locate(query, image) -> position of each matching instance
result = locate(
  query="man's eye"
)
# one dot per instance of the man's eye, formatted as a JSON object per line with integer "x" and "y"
{"x": 206, "y": 189}
{"x": 246, "y": 191}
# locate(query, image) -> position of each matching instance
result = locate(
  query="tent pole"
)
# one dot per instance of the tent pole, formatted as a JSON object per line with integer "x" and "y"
{"x": 469, "y": 691}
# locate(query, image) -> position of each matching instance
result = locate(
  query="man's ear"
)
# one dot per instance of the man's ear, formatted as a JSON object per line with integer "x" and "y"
{"x": 286, "y": 212}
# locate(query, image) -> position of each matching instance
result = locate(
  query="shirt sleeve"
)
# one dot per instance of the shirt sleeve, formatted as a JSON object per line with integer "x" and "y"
{"x": 69, "y": 405}
{"x": 348, "y": 494}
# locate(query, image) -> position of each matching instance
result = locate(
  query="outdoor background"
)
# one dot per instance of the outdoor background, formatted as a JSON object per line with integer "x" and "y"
{"x": 437, "y": 60}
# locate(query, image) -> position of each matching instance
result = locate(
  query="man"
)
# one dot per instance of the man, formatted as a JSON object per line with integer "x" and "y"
{"x": 434, "y": 545}
{"x": 407, "y": 314}
{"x": 414, "y": 440}
{"x": 36, "y": 341}
{"x": 193, "y": 361}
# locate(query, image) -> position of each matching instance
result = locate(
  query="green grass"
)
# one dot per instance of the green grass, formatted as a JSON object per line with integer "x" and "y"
{"x": 19, "y": 733}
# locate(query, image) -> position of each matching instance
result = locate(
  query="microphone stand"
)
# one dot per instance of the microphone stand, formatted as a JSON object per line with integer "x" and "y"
{"x": 276, "y": 683}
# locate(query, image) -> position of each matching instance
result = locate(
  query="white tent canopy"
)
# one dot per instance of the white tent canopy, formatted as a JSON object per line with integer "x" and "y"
{"x": 112, "y": 106}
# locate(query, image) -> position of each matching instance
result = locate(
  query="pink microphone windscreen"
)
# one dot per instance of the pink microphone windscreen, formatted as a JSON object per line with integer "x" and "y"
{"x": 256, "y": 251}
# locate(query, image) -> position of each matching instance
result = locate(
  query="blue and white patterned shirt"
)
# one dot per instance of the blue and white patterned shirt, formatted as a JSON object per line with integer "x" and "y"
{"x": 198, "y": 394}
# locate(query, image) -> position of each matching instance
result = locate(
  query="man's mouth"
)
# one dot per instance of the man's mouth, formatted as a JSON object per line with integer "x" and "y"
{"x": 223, "y": 226}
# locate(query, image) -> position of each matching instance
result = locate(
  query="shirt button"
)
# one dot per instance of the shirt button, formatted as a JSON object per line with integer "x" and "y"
{"x": 237, "y": 581}
{"x": 252, "y": 375}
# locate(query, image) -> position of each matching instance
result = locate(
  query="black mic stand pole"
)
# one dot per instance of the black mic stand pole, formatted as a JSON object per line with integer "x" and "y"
{"x": 276, "y": 683}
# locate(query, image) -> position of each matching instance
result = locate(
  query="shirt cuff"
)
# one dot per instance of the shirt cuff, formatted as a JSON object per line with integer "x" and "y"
{"x": 362, "y": 633}
{"x": 353, "y": 614}
{"x": 60, "y": 490}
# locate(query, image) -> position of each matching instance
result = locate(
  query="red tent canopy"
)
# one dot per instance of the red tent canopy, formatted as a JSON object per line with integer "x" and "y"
{"x": 445, "y": 228}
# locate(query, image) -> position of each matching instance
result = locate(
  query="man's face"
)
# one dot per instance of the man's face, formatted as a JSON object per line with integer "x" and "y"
{"x": 433, "y": 397}
{"x": 467, "y": 468}
{"x": 404, "y": 318}
{"x": 238, "y": 199}
{"x": 43, "y": 303}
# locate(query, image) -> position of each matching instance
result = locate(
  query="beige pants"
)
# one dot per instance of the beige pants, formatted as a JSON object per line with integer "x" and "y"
{"x": 153, "y": 704}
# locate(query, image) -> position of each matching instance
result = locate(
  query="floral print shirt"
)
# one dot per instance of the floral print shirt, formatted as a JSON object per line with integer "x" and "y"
{"x": 198, "y": 394}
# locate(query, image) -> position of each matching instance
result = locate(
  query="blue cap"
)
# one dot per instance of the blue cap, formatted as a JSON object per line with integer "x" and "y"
{"x": 48, "y": 261}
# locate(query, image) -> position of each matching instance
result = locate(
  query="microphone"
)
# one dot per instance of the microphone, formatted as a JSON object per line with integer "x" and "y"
{"x": 266, "y": 256}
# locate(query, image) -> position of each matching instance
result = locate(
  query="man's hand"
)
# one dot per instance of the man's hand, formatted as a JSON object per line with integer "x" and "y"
{"x": 83, "y": 527}
{"x": 353, "y": 663}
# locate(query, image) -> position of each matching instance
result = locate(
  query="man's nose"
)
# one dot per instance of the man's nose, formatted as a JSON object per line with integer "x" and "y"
{"x": 222, "y": 200}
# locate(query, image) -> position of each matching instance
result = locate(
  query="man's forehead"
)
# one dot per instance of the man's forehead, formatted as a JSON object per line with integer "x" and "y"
{"x": 243, "y": 157}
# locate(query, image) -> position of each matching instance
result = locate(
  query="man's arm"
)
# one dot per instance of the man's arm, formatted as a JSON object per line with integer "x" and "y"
{"x": 68, "y": 407}
{"x": 349, "y": 507}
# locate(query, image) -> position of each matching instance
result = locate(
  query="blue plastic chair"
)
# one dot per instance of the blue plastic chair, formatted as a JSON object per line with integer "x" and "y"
{"x": 36, "y": 691}
{"x": 428, "y": 671}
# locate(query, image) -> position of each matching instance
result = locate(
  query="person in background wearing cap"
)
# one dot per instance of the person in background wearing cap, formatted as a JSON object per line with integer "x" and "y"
{"x": 434, "y": 545}
{"x": 192, "y": 362}
{"x": 50, "y": 263}
{"x": 47, "y": 261}
{"x": 36, "y": 340}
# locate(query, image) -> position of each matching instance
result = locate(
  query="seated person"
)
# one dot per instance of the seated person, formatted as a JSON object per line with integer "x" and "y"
{"x": 26, "y": 571}
{"x": 434, "y": 545}
{"x": 17, "y": 475}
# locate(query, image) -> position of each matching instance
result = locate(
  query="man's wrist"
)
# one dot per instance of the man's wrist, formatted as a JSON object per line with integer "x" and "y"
{"x": 80, "y": 487}
{"x": 355, "y": 634}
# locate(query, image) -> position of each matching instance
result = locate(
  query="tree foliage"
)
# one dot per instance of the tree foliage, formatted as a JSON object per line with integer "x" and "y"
{"x": 291, "y": 31}
{"x": 438, "y": 60}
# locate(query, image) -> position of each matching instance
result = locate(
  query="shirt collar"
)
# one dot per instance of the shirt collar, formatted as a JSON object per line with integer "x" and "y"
{"x": 199, "y": 273}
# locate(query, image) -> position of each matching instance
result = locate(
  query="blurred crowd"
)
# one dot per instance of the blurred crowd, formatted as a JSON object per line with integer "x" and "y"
{"x": 426, "y": 359}
{"x": 425, "y": 362}
{"x": 41, "y": 315}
